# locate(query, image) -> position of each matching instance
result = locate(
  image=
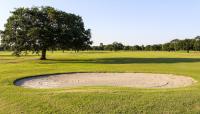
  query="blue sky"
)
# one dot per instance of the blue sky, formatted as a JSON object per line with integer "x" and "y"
{"x": 128, "y": 21}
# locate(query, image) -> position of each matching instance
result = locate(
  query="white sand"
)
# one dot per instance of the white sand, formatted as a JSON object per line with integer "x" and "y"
{"x": 140, "y": 80}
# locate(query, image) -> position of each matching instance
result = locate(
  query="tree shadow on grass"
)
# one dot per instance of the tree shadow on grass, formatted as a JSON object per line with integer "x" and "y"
{"x": 123, "y": 60}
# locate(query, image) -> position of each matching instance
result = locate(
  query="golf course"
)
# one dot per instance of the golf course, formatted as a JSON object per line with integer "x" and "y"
{"x": 99, "y": 57}
{"x": 99, "y": 99}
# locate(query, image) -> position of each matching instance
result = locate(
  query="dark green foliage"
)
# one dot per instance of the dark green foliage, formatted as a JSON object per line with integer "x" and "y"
{"x": 44, "y": 28}
{"x": 174, "y": 45}
{"x": 197, "y": 45}
{"x": 148, "y": 48}
{"x": 128, "y": 48}
{"x": 1, "y": 48}
{"x": 166, "y": 47}
{"x": 109, "y": 47}
{"x": 156, "y": 47}
{"x": 117, "y": 46}
{"x": 136, "y": 48}
{"x": 187, "y": 45}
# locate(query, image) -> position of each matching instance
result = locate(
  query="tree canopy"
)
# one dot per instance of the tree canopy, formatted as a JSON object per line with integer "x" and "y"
{"x": 174, "y": 45}
{"x": 39, "y": 29}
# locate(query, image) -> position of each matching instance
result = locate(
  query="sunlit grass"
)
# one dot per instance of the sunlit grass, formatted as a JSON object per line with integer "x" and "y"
{"x": 99, "y": 99}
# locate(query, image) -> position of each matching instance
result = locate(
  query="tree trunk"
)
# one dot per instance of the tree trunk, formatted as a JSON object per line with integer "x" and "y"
{"x": 43, "y": 56}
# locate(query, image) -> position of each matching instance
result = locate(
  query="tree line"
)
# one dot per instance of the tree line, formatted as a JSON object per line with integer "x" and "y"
{"x": 174, "y": 45}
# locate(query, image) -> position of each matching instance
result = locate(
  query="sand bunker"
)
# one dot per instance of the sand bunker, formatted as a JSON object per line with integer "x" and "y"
{"x": 140, "y": 80}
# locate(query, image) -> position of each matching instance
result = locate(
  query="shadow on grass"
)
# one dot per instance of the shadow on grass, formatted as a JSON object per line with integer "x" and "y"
{"x": 123, "y": 60}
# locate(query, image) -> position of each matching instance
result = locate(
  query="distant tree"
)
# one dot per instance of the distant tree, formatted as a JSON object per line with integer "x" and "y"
{"x": 197, "y": 45}
{"x": 156, "y": 47}
{"x": 174, "y": 45}
{"x": 148, "y": 48}
{"x": 192, "y": 42}
{"x": 166, "y": 47}
{"x": 187, "y": 45}
{"x": 109, "y": 47}
{"x": 101, "y": 46}
{"x": 128, "y": 48}
{"x": 137, "y": 48}
{"x": 95, "y": 47}
{"x": 181, "y": 44}
{"x": 117, "y": 46}
{"x": 41, "y": 28}
{"x": 1, "y": 46}
{"x": 142, "y": 47}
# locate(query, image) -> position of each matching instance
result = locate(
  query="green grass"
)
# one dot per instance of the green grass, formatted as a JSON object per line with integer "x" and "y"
{"x": 17, "y": 100}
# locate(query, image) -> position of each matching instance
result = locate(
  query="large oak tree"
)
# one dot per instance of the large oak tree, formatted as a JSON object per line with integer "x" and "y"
{"x": 38, "y": 29}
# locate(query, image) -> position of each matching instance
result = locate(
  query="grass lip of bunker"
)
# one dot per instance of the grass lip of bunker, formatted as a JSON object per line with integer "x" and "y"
{"x": 138, "y": 80}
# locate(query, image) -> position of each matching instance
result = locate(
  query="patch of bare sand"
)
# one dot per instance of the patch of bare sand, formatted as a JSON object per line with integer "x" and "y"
{"x": 139, "y": 80}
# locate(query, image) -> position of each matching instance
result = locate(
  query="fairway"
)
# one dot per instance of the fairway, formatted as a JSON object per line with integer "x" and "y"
{"x": 99, "y": 99}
